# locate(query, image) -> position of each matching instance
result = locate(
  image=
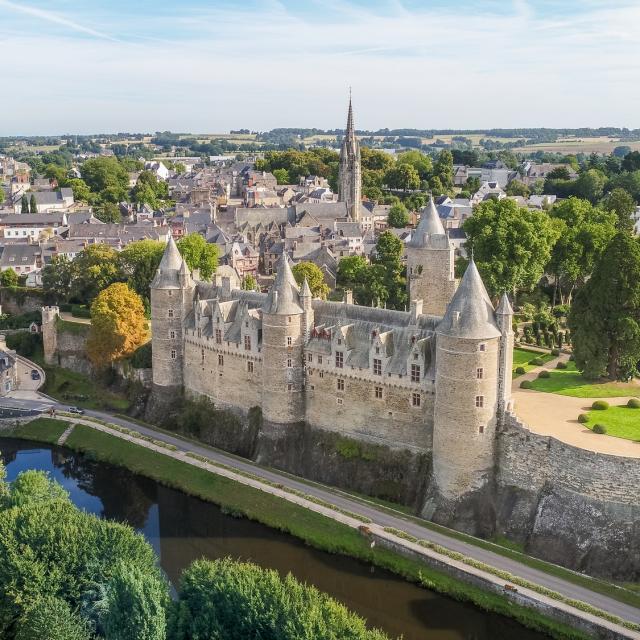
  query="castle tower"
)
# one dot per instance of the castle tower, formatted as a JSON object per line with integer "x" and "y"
{"x": 306, "y": 302}
{"x": 172, "y": 293}
{"x": 504, "y": 317}
{"x": 430, "y": 263}
{"x": 350, "y": 173}
{"x": 283, "y": 330}
{"x": 50, "y": 334}
{"x": 466, "y": 405}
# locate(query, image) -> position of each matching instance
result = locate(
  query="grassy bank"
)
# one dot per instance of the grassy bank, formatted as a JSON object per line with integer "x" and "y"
{"x": 313, "y": 528}
{"x": 523, "y": 357}
{"x": 620, "y": 421}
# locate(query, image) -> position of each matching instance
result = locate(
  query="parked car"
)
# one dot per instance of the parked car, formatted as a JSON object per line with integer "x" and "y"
{"x": 77, "y": 410}
{"x": 35, "y": 374}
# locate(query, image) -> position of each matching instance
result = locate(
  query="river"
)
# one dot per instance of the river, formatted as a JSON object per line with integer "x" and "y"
{"x": 182, "y": 528}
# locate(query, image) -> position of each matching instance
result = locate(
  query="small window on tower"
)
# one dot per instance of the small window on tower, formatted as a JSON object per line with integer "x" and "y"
{"x": 289, "y": 363}
{"x": 218, "y": 336}
{"x": 377, "y": 367}
{"x": 479, "y": 373}
{"x": 247, "y": 343}
{"x": 173, "y": 354}
{"x": 319, "y": 359}
{"x": 249, "y": 367}
{"x": 170, "y": 313}
{"x": 378, "y": 393}
{"x": 479, "y": 402}
{"x": 415, "y": 399}
{"x": 172, "y": 335}
{"x": 310, "y": 357}
{"x": 339, "y": 359}
{"x": 289, "y": 341}
{"x": 220, "y": 360}
{"x": 481, "y": 429}
{"x": 482, "y": 347}
{"x": 340, "y": 384}
{"x": 415, "y": 373}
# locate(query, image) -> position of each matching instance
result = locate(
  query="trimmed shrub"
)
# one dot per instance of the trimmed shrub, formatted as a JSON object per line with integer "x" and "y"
{"x": 555, "y": 352}
{"x": 561, "y": 365}
{"x": 544, "y": 374}
{"x": 538, "y": 362}
{"x": 583, "y": 418}
{"x": 599, "y": 428}
{"x": 526, "y": 384}
{"x": 600, "y": 405}
{"x": 520, "y": 370}
{"x": 634, "y": 403}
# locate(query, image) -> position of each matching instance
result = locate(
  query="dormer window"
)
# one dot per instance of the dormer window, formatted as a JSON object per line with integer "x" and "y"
{"x": 377, "y": 367}
{"x": 377, "y": 350}
{"x": 415, "y": 373}
{"x": 415, "y": 355}
{"x": 339, "y": 359}
{"x": 339, "y": 341}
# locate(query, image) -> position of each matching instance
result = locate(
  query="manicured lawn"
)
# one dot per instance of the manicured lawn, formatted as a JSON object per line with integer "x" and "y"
{"x": 620, "y": 421}
{"x": 522, "y": 357}
{"x": 569, "y": 382}
{"x": 41, "y": 430}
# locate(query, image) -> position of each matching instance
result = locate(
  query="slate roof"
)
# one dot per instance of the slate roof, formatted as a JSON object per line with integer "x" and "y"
{"x": 283, "y": 297}
{"x": 429, "y": 231}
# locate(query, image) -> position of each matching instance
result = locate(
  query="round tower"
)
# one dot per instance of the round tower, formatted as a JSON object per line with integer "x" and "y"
{"x": 283, "y": 331}
{"x": 430, "y": 263}
{"x": 466, "y": 404}
{"x": 172, "y": 292}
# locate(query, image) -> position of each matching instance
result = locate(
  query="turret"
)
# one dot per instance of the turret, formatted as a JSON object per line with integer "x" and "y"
{"x": 283, "y": 336}
{"x": 172, "y": 294}
{"x": 306, "y": 301}
{"x": 504, "y": 319}
{"x": 349, "y": 174}
{"x": 430, "y": 263}
{"x": 467, "y": 351}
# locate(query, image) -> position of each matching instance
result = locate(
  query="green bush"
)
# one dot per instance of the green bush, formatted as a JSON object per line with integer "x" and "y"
{"x": 538, "y": 362}
{"x": 21, "y": 321}
{"x": 634, "y": 403}
{"x": 599, "y": 428}
{"x": 80, "y": 311}
{"x": 526, "y": 384}
{"x": 141, "y": 357}
{"x": 600, "y": 405}
{"x": 25, "y": 343}
{"x": 583, "y": 418}
{"x": 520, "y": 370}
{"x": 544, "y": 374}
{"x": 561, "y": 365}
{"x": 555, "y": 352}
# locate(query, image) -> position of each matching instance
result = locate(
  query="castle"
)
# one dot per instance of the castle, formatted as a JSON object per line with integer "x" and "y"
{"x": 417, "y": 380}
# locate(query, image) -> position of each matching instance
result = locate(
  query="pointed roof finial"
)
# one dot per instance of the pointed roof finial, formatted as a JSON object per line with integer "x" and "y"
{"x": 429, "y": 225}
{"x": 305, "y": 290}
{"x": 504, "y": 306}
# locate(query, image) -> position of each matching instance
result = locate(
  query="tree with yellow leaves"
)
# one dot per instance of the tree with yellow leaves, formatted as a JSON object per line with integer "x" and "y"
{"x": 118, "y": 325}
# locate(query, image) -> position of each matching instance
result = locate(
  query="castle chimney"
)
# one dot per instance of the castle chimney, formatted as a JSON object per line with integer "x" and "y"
{"x": 226, "y": 287}
{"x": 415, "y": 310}
{"x": 348, "y": 296}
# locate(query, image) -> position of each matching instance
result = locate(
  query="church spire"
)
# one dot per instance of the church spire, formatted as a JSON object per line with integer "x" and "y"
{"x": 349, "y": 175}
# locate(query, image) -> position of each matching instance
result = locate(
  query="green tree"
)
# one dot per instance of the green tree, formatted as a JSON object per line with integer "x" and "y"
{"x": 9, "y": 278}
{"x": 57, "y": 277}
{"x": 236, "y": 601}
{"x": 473, "y": 184}
{"x": 94, "y": 269}
{"x": 590, "y": 185}
{"x": 351, "y": 271}
{"x": 118, "y": 325}
{"x": 586, "y": 231}
{"x": 51, "y": 618}
{"x": 443, "y": 168}
{"x": 33, "y": 206}
{"x": 32, "y": 487}
{"x": 419, "y": 161}
{"x": 107, "y": 177}
{"x": 282, "y": 176}
{"x": 24, "y": 204}
{"x": 199, "y": 254}
{"x": 314, "y": 276}
{"x": 389, "y": 250}
{"x": 56, "y": 172}
{"x": 81, "y": 191}
{"x": 109, "y": 212}
{"x": 631, "y": 162}
{"x": 249, "y": 283}
{"x": 149, "y": 190}
{"x": 511, "y": 244}
{"x": 3, "y": 195}
{"x": 517, "y": 188}
{"x": 403, "y": 176}
{"x": 605, "y": 315}
{"x": 398, "y": 216}
{"x": 139, "y": 262}
{"x": 623, "y": 205}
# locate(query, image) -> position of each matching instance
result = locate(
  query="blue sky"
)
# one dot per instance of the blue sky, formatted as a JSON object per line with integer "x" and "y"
{"x": 83, "y": 66}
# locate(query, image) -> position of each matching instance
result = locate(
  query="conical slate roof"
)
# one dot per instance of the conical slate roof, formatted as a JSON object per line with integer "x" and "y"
{"x": 305, "y": 291}
{"x": 430, "y": 225}
{"x": 283, "y": 297}
{"x": 167, "y": 275}
{"x": 504, "y": 306}
{"x": 350, "y": 143}
{"x": 470, "y": 313}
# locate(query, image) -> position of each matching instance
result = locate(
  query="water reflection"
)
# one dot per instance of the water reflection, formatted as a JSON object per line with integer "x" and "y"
{"x": 182, "y": 529}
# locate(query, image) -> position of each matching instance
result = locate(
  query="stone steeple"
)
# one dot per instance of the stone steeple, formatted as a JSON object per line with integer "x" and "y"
{"x": 350, "y": 173}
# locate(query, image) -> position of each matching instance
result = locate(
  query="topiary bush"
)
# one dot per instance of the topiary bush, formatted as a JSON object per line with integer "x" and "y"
{"x": 583, "y": 418}
{"x": 600, "y": 405}
{"x": 634, "y": 403}
{"x": 538, "y": 362}
{"x": 555, "y": 352}
{"x": 599, "y": 428}
{"x": 544, "y": 374}
{"x": 520, "y": 370}
{"x": 526, "y": 384}
{"x": 561, "y": 365}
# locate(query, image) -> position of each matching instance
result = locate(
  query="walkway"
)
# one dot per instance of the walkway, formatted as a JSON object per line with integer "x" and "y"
{"x": 552, "y": 414}
{"x": 67, "y": 317}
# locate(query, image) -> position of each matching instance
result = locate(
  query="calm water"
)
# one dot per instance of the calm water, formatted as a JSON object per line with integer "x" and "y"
{"x": 182, "y": 529}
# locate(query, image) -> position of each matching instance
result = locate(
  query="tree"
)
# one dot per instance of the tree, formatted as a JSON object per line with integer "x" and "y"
{"x": 404, "y": 177}
{"x": 590, "y": 185}
{"x": 118, "y": 325}
{"x": 81, "y": 191}
{"x": 631, "y": 162}
{"x": 443, "y": 168}
{"x": 2, "y": 195}
{"x": 605, "y": 316}
{"x": 249, "y": 283}
{"x": 24, "y": 204}
{"x": 57, "y": 277}
{"x": 94, "y": 269}
{"x": 389, "y": 250}
{"x": 623, "y": 205}
{"x": 473, "y": 184}
{"x": 511, "y": 244}
{"x": 282, "y": 176}
{"x": 33, "y": 205}
{"x": 149, "y": 190}
{"x": 586, "y": 231}
{"x": 9, "y": 278}
{"x": 199, "y": 254}
{"x": 398, "y": 216}
{"x": 32, "y": 487}
{"x": 51, "y": 618}
{"x": 109, "y": 212}
{"x": 236, "y": 601}
{"x": 139, "y": 262}
{"x": 419, "y": 161}
{"x": 351, "y": 271}
{"x": 314, "y": 276}
{"x": 56, "y": 172}
{"x": 107, "y": 177}
{"x": 517, "y": 188}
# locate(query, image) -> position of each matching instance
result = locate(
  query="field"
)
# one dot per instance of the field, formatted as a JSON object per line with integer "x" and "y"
{"x": 620, "y": 421}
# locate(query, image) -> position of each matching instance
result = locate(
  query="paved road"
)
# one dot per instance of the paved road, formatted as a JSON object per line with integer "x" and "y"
{"x": 386, "y": 519}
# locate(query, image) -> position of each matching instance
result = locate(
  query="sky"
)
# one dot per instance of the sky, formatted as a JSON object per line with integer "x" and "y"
{"x": 88, "y": 66}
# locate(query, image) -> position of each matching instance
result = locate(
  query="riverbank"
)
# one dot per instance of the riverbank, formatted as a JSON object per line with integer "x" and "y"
{"x": 316, "y": 524}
